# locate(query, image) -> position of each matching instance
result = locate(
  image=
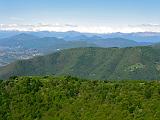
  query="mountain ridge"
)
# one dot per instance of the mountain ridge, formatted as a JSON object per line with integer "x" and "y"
{"x": 130, "y": 63}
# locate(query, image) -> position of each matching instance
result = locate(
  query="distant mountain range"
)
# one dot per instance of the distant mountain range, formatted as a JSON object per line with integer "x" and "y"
{"x": 30, "y": 41}
{"x": 151, "y": 37}
{"x": 45, "y": 44}
{"x": 25, "y": 46}
{"x": 116, "y": 42}
{"x": 30, "y": 44}
{"x": 132, "y": 63}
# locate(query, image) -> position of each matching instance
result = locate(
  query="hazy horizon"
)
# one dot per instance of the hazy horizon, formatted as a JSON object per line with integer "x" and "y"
{"x": 92, "y": 16}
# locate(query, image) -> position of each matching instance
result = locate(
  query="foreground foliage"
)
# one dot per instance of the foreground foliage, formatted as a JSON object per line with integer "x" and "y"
{"x": 69, "y": 98}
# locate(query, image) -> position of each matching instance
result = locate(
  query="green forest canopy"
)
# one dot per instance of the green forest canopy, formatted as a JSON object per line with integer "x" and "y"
{"x": 70, "y": 98}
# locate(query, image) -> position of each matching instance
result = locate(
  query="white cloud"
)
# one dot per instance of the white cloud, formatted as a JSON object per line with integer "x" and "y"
{"x": 90, "y": 29}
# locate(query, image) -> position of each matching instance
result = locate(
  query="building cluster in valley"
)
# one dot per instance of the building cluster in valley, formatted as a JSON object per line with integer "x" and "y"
{"x": 8, "y": 55}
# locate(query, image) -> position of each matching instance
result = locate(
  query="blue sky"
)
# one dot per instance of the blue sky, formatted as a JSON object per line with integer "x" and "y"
{"x": 80, "y": 12}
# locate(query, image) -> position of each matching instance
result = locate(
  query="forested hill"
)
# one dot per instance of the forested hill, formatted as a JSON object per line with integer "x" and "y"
{"x": 69, "y": 98}
{"x": 92, "y": 63}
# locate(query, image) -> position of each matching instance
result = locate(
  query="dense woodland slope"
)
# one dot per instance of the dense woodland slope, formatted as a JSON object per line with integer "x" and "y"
{"x": 69, "y": 98}
{"x": 92, "y": 63}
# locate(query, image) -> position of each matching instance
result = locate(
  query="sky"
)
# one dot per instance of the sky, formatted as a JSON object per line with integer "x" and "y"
{"x": 99, "y": 16}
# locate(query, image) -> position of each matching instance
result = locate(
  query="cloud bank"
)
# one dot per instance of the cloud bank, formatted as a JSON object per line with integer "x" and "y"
{"x": 89, "y": 29}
